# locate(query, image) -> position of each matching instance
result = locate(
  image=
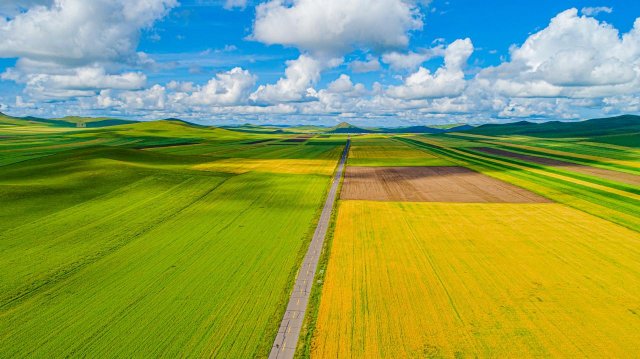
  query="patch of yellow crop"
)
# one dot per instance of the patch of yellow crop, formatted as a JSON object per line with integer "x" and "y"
{"x": 362, "y": 152}
{"x": 486, "y": 280}
{"x": 292, "y": 166}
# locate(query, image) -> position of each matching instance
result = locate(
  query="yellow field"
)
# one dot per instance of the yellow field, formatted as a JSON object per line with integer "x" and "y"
{"x": 291, "y": 166}
{"x": 487, "y": 280}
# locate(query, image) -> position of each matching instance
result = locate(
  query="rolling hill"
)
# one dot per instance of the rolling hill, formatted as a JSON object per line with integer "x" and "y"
{"x": 345, "y": 127}
{"x": 595, "y": 127}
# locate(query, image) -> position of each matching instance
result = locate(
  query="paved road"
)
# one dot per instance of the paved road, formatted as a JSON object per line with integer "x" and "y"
{"x": 284, "y": 347}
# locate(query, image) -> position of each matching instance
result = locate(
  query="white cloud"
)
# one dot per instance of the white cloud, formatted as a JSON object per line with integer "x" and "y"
{"x": 575, "y": 56}
{"x": 410, "y": 60}
{"x": 370, "y": 65}
{"x": 78, "y": 32}
{"x": 72, "y": 45}
{"x": 447, "y": 81}
{"x": 335, "y": 27}
{"x": 593, "y": 11}
{"x": 297, "y": 85}
{"x": 344, "y": 85}
{"x": 81, "y": 81}
{"x": 228, "y": 88}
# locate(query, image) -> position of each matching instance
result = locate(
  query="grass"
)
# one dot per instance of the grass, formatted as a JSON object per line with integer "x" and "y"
{"x": 488, "y": 280}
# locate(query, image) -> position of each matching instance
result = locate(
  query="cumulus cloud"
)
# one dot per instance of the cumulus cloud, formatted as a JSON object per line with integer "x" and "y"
{"x": 410, "y": 60}
{"x": 335, "y": 27}
{"x": 593, "y": 11}
{"x": 447, "y": 81}
{"x": 77, "y": 32}
{"x": 344, "y": 85}
{"x": 297, "y": 84}
{"x": 228, "y": 88}
{"x": 80, "y": 81}
{"x": 575, "y": 56}
{"x": 65, "y": 42}
{"x": 324, "y": 31}
{"x": 371, "y": 64}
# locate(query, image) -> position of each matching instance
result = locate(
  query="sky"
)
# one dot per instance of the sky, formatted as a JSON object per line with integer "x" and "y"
{"x": 367, "y": 62}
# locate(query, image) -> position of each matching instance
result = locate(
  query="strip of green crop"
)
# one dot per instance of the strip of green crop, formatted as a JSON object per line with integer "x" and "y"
{"x": 610, "y": 206}
{"x": 569, "y": 158}
{"x": 571, "y": 154}
{"x": 560, "y": 171}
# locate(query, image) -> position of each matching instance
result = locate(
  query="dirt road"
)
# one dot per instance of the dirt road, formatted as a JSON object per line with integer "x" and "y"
{"x": 284, "y": 346}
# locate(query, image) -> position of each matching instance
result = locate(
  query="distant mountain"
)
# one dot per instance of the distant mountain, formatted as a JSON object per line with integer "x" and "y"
{"x": 346, "y": 127}
{"x": 594, "y": 127}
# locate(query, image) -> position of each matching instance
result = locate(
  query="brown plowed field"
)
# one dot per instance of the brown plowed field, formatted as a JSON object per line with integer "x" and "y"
{"x": 588, "y": 170}
{"x": 430, "y": 184}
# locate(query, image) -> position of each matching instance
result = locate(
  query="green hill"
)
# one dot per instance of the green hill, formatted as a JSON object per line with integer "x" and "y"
{"x": 595, "y": 127}
{"x": 69, "y": 121}
{"x": 345, "y": 127}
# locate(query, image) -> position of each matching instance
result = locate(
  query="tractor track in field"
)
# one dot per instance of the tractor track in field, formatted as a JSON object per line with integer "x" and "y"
{"x": 286, "y": 341}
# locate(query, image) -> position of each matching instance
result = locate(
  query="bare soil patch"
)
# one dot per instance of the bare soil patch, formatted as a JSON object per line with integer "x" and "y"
{"x": 588, "y": 170}
{"x": 431, "y": 184}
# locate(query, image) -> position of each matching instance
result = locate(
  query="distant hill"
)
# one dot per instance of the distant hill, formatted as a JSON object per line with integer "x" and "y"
{"x": 589, "y": 128}
{"x": 346, "y": 127}
{"x": 69, "y": 121}
{"x": 413, "y": 129}
{"x": 92, "y": 122}
{"x": 249, "y": 128}
{"x": 460, "y": 128}
{"x": 448, "y": 126}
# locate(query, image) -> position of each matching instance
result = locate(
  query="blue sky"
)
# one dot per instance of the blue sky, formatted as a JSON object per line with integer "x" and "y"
{"x": 296, "y": 62}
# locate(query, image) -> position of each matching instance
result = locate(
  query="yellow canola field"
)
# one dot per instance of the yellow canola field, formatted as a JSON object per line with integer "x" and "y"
{"x": 413, "y": 280}
{"x": 291, "y": 166}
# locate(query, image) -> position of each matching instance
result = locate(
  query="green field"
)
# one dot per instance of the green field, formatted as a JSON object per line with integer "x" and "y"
{"x": 113, "y": 246}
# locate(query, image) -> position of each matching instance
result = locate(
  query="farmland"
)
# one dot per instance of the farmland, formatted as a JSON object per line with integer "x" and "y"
{"x": 171, "y": 239}
{"x": 431, "y": 261}
{"x": 488, "y": 280}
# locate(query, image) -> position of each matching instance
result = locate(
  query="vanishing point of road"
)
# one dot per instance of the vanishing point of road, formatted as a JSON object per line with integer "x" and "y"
{"x": 284, "y": 347}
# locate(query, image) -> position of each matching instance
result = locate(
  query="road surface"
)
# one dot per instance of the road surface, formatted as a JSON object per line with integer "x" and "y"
{"x": 284, "y": 347}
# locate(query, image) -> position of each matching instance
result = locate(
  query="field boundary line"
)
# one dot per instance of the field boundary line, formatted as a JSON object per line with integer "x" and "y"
{"x": 286, "y": 341}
